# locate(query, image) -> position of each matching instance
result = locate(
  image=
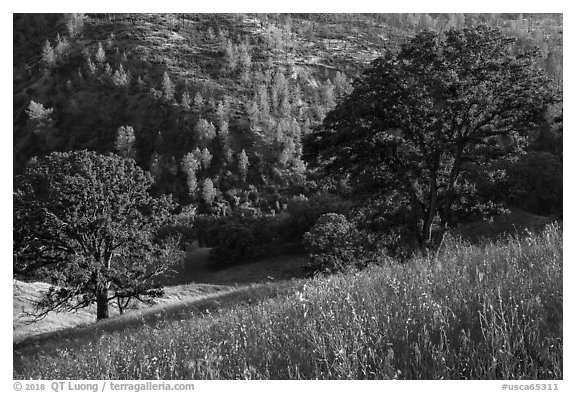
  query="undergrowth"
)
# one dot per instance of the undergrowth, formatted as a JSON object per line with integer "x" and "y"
{"x": 470, "y": 312}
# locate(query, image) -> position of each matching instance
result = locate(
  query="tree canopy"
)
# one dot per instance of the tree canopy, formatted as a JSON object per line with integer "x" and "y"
{"x": 424, "y": 121}
{"x": 87, "y": 223}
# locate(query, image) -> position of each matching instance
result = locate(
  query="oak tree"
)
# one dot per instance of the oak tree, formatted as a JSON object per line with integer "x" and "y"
{"x": 424, "y": 121}
{"x": 86, "y": 223}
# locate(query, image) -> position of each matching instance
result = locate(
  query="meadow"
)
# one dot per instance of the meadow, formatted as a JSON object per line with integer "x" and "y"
{"x": 491, "y": 311}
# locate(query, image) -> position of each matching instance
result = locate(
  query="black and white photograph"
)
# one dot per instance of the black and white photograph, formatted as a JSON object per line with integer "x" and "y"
{"x": 287, "y": 196}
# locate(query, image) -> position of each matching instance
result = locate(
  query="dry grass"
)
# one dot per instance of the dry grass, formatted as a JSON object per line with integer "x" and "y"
{"x": 26, "y": 294}
{"x": 489, "y": 312}
{"x": 191, "y": 282}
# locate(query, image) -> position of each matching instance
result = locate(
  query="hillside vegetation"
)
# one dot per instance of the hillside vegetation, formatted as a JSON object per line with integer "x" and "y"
{"x": 472, "y": 312}
{"x": 237, "y": 92}
{"x": 288, "y": 196}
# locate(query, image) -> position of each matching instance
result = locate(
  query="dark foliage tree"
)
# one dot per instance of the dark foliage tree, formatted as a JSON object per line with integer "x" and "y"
{"x": 86, "y": 222}
{"x": 425, "y": 117}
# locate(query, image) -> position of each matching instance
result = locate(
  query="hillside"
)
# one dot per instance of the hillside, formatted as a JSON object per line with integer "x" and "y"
{"x": 214, "y": 85}
{"x": 288, "y": 196}
{"x": 470, "y": 312}
{"x": 194, "y": 283}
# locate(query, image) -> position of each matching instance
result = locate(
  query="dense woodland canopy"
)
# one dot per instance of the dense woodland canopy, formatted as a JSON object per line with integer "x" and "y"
{"x": 218, "y": 108}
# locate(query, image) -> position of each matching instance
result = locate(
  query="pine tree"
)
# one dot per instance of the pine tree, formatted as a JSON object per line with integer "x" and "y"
{"x": 328, "y": 100}
{"x": 100, "y": 55}
{"x": 75, "y": 24}
{"x": 48, "y": 55}
{"x": 230, "y": 57}
{"x": 108, "y": 70}
{"x": 342, "y": 85}
{"x": 62, "y": 47}
{"x": 263, "y": 100}
{"x": 185, "y": 101}
{"x": 91, "y": 66}
{"x": 208, "y": 191}
{"x": 221, "y": 112}
{"x": 167, "y": 88}
{"x": 223, "y": 132}
{"x": 190, "y": 165}
{"x": 205, "y": 158}
{"x": 251, "y": 108}
{"x": 243, "y": 164}
{"x": 156, "y": 166}
{"x": 198, "y": 101}
{"x": 120, "y": 78}
{"x": 125, "y": 139}
{"x": 244, "y": 63}
{"x": 39, "y": 116}
{"x": 205, "y": 132}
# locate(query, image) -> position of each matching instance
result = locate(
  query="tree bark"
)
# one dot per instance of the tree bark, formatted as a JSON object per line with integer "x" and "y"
{"x": 102, "y": 310}
{"x": 427, "y": 242}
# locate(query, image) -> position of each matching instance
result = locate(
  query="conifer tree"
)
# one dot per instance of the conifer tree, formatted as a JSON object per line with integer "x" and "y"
{"x": 243, "y": 164}
{"x": 208, "y": 191}
{"x": 100, "y": 55}
{"x": 108, "y": 70}
{"x": 62, "y": 47}
{"x": 205, "y": 158}
{"x": 39, "y": 116}
{"x": 156, "y": 166}
{"x": 125, "y": 139}
{"x": 223, "y": 133}
{"x": 190, "y": 165}
{"x": 185, "y": 101}
{"x": 205, "y": 132}
{"x": 90, "y": 65}
{"x": 75, "y": 24}
{"x": 168, "y": 88}
{"x": 120, "y": 78}
{"x": 198, "y": 101}
{"x": 48, "y": 55}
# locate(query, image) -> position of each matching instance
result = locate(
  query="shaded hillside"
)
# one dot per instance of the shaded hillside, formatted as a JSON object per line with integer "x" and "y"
{"x": 210, "y": 86}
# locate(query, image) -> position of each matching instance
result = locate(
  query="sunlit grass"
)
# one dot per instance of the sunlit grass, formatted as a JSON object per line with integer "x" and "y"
{"x": 490, "y": 312}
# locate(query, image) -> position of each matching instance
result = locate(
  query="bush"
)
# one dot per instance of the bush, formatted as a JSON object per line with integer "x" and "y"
{"x": 249, "y": 233}
{"x": 304, "y": 212}
{"x": 334, "y": 244}
{"x": 243, "y": 235}
{"x": 235, "y": 242}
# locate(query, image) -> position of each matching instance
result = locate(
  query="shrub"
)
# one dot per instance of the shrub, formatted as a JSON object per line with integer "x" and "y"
{"x": 333, "y": 244}
{"x": 304, "y": 212}
{"x": 235, "y": 242}
{"x": 242, "y": 235}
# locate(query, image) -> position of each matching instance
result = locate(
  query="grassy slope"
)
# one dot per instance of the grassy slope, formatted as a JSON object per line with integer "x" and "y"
{"x": 475, "y": 312}
{"x": 188, "y": 286}
{"x": 26, "y": 294}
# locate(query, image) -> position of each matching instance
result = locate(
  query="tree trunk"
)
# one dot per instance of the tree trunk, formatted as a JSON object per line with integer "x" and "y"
{"x": 102, "y": 311}
{"x": 427, "y": 241}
